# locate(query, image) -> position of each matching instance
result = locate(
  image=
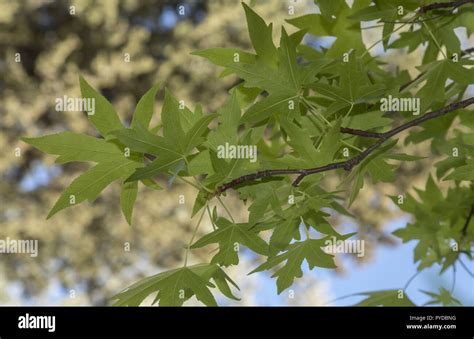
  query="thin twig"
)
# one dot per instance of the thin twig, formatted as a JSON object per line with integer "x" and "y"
{"x": 410, "y": 280}
{"x": 454, "y": 279}
{"x": 463, "y": 265}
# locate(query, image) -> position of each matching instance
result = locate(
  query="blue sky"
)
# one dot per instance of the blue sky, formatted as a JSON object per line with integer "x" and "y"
{"x": 390, "y": 268}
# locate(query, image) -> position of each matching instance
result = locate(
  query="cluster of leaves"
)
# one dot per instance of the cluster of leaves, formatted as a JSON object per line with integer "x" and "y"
{"x": 291, "y": 103}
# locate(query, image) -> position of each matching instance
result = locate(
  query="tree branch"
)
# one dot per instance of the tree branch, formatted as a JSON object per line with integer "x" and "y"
{"x": 361, "y": 133}
{"x": 467, "y": 51}
{"x": 350, "y": 163}
{"x": 468, "y": 220}
{"x": 440, "y": 5}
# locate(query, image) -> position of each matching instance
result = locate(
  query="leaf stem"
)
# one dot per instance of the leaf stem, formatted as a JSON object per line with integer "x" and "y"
{"x": 434, "y": 39}
{"x": 226, "y": 209}
{"x": 192, "y": 238}
{"x": 349, "y": 111}
{"x": 313, "y": 110}
{"x": 352, "y": 146}
{"x": 306, "y": 230}
{"x": 186, "y": 181}
{"x": 210, "y": 217}
{"x": 454, "y": 279}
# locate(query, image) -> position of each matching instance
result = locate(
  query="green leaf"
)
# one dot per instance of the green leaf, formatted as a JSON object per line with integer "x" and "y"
{"x": 172, "y": 288}
{"x": 150, "y": 183}
{"x": 170, "y": 117}
{"x": 76, "y": 147}
{"x": 225, "y": 56}
{"x": 157, "y": 166}
{"x": 433, "y": 225}
{"x": 348, "y": 35}
{"x": 385, "y": 298}
{"x": 458, "y": 73}
{"x": 271, "y": 105}
{"x": 89, "y": 184}
{"x": 402, "y": 157}
{"x": 351, "y": 78}
{"x": 331, "y": 92}
{"x": 105, "y": 119}
{"x": 140, "y": 140}
{"x": 287, "y": 58}
{"x": 301, "y": 142}
{"x": 200, "y": 164}
{"x": 127, "y": 199}
{"x": 380, "y": 170}
{"x": 443, "y": 298}
{"x": 220, "y": 278}
{"x": 371, "y": 13}
{"x": 227, "y": 130}
{"x": 259, "y": 206}
{"x": 145, "y": 107}
{"x": 356, "y": 186}
{"x": 309, "y": 250}
{"x": 228, "y": 235}
{"x": 465, "y": 172}
{"x": 260, "y": 35}
{"x": 200, "y": 202}
{"x": 283, "y": 233}
{"x": 434, "y": 88}
{"x": 329, "y": 145}
{"x": 193, "y": 137}
{"x": 366, "y": 121}
{"x": 259, "y": 75}
{"x": 314, "y": 68}
{"x": 437, "y": 74}
{"x": 328, "y": 8}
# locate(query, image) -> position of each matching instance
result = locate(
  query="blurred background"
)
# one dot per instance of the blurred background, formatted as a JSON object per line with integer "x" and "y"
{"x": 88, "y": 253}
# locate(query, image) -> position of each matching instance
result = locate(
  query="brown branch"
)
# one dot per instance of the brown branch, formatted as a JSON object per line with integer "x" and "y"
{"x": 467, "y": 51}
{"x": 350, "y": 163}
{"x": 441, "y": 5}
{"x": 361, "y": 133}
{"x": 427, "y": 8}
{"x": 468, "y": 220}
